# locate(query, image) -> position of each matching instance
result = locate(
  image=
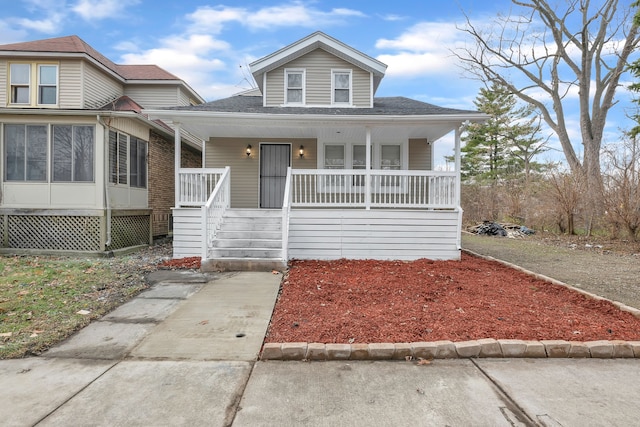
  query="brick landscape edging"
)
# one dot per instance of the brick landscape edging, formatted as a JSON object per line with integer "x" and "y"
{"x": 482, "y": 348}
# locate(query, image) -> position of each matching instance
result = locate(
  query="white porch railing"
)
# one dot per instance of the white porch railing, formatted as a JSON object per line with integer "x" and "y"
{"x": 196, "y": 185}
{"x": 378, "y": 188}
{"x": 213, "y": 210}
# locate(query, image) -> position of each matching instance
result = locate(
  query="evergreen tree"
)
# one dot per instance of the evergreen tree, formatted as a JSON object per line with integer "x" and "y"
{"x": 504, "y": 146}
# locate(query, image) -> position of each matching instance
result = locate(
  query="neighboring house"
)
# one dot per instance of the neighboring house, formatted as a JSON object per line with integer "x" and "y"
{"x": 311, "y": 165}
{"x": 83, "y": 169}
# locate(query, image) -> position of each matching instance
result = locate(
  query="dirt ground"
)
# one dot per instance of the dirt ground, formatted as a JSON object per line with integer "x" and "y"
{"x": 609, "y": 268}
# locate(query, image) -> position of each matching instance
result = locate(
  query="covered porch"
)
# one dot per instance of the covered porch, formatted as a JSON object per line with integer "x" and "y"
{"x": 371, "y": 211}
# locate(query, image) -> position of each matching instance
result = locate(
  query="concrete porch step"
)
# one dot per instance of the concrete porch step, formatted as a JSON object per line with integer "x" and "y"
{"x": 240, "y": 243}
{"x": 249, "y": 234}
{"x": 245, "y": 253}
{"x": 242, "y": 264}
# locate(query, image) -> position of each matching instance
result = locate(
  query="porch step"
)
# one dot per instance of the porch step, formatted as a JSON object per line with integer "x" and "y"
{"x": 249, "y": 239}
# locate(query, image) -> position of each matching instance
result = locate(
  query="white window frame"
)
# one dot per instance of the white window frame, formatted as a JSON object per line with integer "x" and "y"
{"x": 376, "y": 158}
{"x": 40, "y": 85}
{"x": 287, "y": 72}
{"x": 334, "y": 73}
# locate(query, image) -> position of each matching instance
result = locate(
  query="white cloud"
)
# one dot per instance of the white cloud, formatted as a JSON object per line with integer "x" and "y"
{"x": 212, "y": 19}
{"x": 424, "y": 48}
{"x": 193, "y": 58}
{"x": 91, "y": 10}
{"x": 50, "y": 25}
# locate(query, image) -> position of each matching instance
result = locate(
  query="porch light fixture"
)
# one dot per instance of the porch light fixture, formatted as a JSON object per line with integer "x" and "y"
{"x": 301, "y": 152}
{"x": 249, "y": 150}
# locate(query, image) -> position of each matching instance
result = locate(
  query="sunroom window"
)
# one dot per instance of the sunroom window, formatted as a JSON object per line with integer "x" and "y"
{"x": 25, "y": 152}
{"x": 73, "y": 153}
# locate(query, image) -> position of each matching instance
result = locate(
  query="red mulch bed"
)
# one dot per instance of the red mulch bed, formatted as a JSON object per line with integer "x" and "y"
{"x": 181, "y": 263}
{"x": 349, "y": 301}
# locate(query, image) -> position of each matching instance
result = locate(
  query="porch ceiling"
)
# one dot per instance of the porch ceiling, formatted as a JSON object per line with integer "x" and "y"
{"x": 328, "y": 128}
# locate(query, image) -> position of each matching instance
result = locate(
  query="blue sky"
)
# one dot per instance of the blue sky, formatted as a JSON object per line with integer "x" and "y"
{"x": 210, "y": 44}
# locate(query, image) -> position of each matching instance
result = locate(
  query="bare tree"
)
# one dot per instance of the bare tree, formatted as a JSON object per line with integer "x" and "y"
{"x": 544, "y": 53}
{"x": 622, "y": 185}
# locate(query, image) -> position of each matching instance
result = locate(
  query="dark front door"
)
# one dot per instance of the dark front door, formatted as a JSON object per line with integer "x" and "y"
{"x": 274, "y": 161}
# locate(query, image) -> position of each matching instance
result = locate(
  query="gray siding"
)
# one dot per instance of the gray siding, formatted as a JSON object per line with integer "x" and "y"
{"x": 187, "y": 232}
{"x": 222, "y": 152}
{"x": 318, "y": 65}
{"x": 99, "y": 89}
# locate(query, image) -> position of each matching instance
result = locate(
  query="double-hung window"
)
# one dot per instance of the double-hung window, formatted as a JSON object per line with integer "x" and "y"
{"x": 334, "y": 158}
{"x": 73, "y": 153}
{"x": 33, "y": 84}
{"x": 294, "y": 86}
{"x": 25, "y": 152}
{"x": 341, "y": 84}
{"x": 20, "y": 77}
{"x": 47, "y": 84}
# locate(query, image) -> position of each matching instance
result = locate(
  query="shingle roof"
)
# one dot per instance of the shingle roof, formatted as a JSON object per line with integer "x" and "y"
{"x": 74, "y": 44}
{"x": 390, "y": 106}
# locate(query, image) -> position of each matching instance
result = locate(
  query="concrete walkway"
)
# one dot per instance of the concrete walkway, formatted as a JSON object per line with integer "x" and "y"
{"x": 184, "y": 353}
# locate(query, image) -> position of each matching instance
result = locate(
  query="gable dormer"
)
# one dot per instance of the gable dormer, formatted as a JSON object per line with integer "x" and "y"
{"x": 318, "y": 71}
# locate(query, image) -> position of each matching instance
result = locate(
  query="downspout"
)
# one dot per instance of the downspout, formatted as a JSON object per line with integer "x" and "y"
{"x": 107, "y": 199}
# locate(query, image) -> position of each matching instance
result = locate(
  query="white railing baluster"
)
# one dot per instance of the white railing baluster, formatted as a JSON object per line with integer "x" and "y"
{"x": 387, "y": 188}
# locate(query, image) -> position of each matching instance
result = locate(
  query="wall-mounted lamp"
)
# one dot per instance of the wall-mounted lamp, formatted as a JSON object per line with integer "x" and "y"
{"x": 249, "y": 150}
{"x": 301, "y": 152}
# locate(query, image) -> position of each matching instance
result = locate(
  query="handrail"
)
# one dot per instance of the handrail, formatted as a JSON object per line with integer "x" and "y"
{"x": 195, "y": 185}
{"x": 214, "y": 209}
{"x": 286, "y": 213}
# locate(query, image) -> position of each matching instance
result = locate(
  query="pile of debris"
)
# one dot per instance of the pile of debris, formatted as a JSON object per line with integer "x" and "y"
{"x": 491, "y": 228}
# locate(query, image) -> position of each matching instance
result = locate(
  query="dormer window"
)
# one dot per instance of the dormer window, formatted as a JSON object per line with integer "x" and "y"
{"x": 294, "y": 86}
{"x": 33, "y": 84}
{"x": 341, "y": 82}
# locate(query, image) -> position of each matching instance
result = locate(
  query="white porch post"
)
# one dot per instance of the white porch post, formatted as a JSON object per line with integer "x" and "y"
{"x": 177, "y": 164}
{"x": 457, "y": 164}
{"x": 367, "y": 178}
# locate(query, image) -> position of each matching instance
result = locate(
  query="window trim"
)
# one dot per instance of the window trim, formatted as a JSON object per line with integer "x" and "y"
{"x": 34, "y": 84}
{"x": 334, "y": 73}
{"x": 40, "y": 85}
{"x": 288, "y": 71}
{"x": 13, "y": 85}
{"x": 123, "y": 176}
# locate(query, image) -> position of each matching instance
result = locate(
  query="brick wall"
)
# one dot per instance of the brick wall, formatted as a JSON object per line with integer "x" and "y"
{"x": 161, "y": 178}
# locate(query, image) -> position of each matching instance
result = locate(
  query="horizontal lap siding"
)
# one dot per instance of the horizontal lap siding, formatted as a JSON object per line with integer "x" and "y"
{"x": 187, "y": 233}
{"x": 360, "y": 234}
{"x": 318, "y": 65}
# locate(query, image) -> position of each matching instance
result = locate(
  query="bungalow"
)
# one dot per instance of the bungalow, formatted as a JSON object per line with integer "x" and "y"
{"x": 83, "y": 170}
{"x": 311, "y": 165}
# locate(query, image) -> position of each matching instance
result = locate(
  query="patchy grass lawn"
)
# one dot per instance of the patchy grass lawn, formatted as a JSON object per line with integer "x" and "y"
{"x": 45, "y": 299}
